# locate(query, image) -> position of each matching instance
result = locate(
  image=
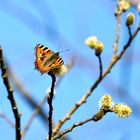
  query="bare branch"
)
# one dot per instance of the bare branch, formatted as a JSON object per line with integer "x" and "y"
{"x": 100, "y": 66}
{"x": 2, "y": 115}
{"x": 10, "y": 95}
{"x": 98, "y": 116}
{"x": 50, "y": 99}
{"x": 115, "y": 44}
{"x": 27, "y": 97}
{"x": 113, "y": 61}
{"x": 129, "y": 31}
{"x": 35, "y": 112}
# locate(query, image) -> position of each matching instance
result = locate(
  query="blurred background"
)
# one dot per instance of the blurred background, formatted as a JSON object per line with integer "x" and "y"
{"x": 25, "y": 23}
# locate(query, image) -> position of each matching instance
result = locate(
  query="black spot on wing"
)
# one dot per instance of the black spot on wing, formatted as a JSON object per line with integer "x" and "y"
{"x": 43, "y": 54}
{"x": 60, "y": 60}
{"x": 45, "y": 48}
{"x": 42, "y": 58}
{"x": 50, "y": 65}
{"x": 40, "y": 46}
{"x": 48, "y": 50}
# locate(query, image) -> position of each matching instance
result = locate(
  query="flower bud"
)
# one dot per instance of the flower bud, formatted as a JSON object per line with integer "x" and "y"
{"x": 122, "y": 110}
{"x": 124, "y": 5}
{"x": 118, "y": 11}
{"x": 130, "y": 19}
{"x": 106, "y": 102}
{"x": 138, "y": 7}
{"x": 98, "y": 48}
{"x": 91, "y": 42}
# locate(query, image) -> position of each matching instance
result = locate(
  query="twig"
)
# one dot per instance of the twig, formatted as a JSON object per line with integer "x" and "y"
{"x": 115, "y": 44}
{"x": 35, "y": 112}
{"x": 129, "y": 31}
{"x": 113, "y": 61}
{"x": 100, "y": 66}
{"x": 10, "y": 95}
{"x": 27, "y": 96}
{"x": 2, "y": 115}
{"x": 51, "y": 94}
{"x": 129, "y": 41}
{"x": 98, "y": 116}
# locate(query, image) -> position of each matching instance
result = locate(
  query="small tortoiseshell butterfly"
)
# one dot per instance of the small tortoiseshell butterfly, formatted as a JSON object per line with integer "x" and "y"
{"x": 46, "y": 59}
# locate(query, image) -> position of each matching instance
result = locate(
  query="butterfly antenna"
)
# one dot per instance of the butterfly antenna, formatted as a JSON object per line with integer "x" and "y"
{"x": 64, "y": 50}
{"x": 59, "y": 46}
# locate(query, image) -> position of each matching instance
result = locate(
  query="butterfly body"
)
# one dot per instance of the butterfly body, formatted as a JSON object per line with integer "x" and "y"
{"x": 46, "y": 59}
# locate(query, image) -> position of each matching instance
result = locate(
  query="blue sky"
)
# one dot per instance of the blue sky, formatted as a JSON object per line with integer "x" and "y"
{"x": 26, "y": 23}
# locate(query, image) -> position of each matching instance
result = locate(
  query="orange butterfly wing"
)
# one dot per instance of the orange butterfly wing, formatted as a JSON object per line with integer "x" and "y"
{"x": 41, "y": 50}
{"x": 41, "y": 53}
{"x": 58, "y": 62}
{"x": 46, "y": 59}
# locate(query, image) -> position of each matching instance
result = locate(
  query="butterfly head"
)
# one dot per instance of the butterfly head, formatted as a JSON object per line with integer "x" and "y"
{"x": 57, "y": 53}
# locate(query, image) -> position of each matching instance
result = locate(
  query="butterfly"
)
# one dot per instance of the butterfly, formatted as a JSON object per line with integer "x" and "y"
{"x": 46, "y": 60}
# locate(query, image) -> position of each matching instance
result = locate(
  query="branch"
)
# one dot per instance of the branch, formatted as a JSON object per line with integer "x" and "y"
{"x": 50, "y": 98}
{"x": 100, "y": 66}
{"x": 115, "y": 44}
{"x": 129, "y": 31}
{"x": 113, "y": 61}
{"x": 129, "y": 42}
{"x": 98, "y": 116}
{"x": 16, "y": 113}
{"x": 35, "y": 112}
{"x": 7, "y": 120}
{"x": 27, "y": 96}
